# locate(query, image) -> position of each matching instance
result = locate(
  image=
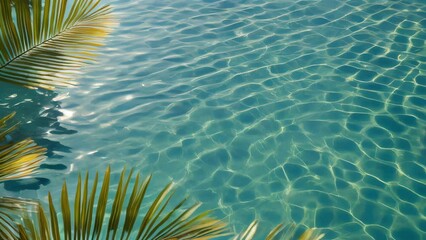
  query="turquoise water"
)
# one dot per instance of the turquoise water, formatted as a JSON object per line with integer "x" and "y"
{"x": 305, "y": 111}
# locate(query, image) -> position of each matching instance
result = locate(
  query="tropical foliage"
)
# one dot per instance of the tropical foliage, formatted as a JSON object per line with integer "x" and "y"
{"x": 17, "y": 160}
{"x": 280, "y": 232}
{"x": 44, "y": 45}
{"x": 91, "y": 217}
{"x": 87, "y": 218}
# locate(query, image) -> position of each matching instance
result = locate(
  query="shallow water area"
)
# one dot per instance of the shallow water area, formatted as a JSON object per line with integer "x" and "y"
{"x": 304, "y": 111}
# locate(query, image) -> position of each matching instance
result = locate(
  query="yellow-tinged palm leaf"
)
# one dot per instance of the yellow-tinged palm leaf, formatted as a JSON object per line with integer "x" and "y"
{"x": 10, "y": 211}
{"x": 280, "y": 232}
{"x": 311, "y": 234}
{"x": 17, "y": 160}
{"x": 44, "y": 45}
{"x": 4, "y": 130}
{"x": 249, "y": 233}
{"x": 88, "y": 220}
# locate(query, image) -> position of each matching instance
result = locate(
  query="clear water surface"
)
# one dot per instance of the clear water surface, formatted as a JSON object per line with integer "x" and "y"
{"x": 308, "y": 111}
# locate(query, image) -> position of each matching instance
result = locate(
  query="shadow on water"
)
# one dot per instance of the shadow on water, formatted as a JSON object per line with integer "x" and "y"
{"x": 37, "y": 112}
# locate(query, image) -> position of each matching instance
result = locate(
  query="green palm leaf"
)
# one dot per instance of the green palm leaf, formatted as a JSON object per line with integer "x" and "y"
{"x": 44, "y": 45}
{"x": 11, "y": 210}
{"x": 17, "y": 160}
{"x": 280, "y": 232}
{"x": 20, "y": 159}
{"x": 87, "y": 219}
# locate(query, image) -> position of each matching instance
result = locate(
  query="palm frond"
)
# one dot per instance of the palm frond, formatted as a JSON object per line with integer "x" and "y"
{"x": 4, "y": 130}
{"x": 87, "y": 219}
{"x": 280, "y": 232}
{"x": 311, "y": 234}
{"x": 10, "y": 211}
{"x": 17, "y": 160}
{"x": 44, "y": 45}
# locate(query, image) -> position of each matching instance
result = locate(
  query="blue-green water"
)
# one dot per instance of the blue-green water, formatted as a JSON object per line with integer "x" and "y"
{"x": 305, "y": 111}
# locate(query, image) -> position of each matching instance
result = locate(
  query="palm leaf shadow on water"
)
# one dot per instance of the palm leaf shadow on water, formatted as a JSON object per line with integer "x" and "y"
{"x": 18, "y": 159}
{"x": 43, "y": 44}
{"x": 37, "y": 113}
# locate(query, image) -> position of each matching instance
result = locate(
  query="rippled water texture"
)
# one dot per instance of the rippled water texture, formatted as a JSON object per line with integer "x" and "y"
{"x": 310, "y": 111}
